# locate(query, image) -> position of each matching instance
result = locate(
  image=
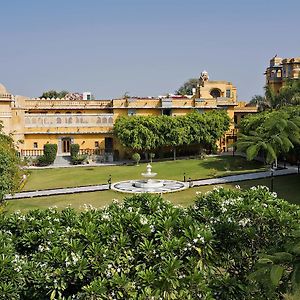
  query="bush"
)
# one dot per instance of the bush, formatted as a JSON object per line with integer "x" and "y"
{"x": 136, "y": 157}
{"x": 79, "y": 159}
{"x": 144, "y": 248}
{"x": 49, "y": 156}
{"x": 74, "y": 150}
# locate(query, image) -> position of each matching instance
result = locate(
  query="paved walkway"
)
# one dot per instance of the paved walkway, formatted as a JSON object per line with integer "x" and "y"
{"x": 103, "y": 187}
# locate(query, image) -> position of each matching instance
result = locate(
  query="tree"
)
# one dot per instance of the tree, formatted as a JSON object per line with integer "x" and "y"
{"x": 187, "y": 87}
{"x": 261, "y": 102}
{"x": 272, "y": 133}
{"x": 147, "y": 133}
{"x": 10, "y": 172}
{"x": 54, "y": 94}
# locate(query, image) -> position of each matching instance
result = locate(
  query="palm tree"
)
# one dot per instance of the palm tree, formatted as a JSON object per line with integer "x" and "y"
{"x": 276, "y": 135}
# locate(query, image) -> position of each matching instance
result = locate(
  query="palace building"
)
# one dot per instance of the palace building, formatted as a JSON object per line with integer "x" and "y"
{"x": 280, "y": 70}
{"x": 79, "y": 119}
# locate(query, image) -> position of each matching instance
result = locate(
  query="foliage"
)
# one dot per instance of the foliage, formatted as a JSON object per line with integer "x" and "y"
{"x": 49, "y": 156}
{"x": 187, "y": 87}
{"x": 272, "y": 133}
{"x": 141, "y": 249}
{"x": 10, "y": 172}
{"x": 147, "y": 133}
{"x": 79, "y": 159}
{"x": 54, "y": 94}
{"x": 261, "y": 102}
{"x": 76, "y": 159}
{"x": 278, "y": 271}
{"x": 244, "y": 223}
{"x": 136, "y": 157}
{"x": 74, "y": 150}
{"x": 144, "y": 248}
{"x": 288, "y": 95}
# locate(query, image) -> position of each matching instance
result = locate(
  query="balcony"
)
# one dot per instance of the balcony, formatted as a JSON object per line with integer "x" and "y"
{"x": 68, "y": 120}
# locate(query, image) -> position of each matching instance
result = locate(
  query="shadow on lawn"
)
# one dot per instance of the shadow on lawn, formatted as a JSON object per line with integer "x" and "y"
{"x": 229, "y": 163}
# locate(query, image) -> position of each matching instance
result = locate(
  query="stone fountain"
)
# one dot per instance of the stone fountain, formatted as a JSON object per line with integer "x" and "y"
{"x": 149, "y": 185}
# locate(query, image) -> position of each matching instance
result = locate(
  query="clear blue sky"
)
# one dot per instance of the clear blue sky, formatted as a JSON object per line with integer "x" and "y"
{"x": 144, "y": 47}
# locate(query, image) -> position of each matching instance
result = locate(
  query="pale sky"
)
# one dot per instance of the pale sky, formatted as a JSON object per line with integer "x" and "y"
{"x": 143, "y": 47}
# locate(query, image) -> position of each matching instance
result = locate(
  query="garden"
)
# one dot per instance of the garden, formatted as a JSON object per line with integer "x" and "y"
{"x": 147, "y": 248}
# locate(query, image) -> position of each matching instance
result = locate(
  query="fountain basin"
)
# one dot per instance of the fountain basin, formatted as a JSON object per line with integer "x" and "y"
{"x": 148, "y": 184}
{"x": 163, "y": 186}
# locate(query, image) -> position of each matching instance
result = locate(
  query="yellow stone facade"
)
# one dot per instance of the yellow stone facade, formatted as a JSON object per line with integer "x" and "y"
{"x": 89, "y": 123}
{"x": 280, "y": 70}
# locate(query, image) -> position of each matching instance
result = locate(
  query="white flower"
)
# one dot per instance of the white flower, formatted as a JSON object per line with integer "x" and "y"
{"x": 253, "y": 188}
{"x": 237, "y": 187}
{"x": 244, "y": 222}
{"x": 195, "y": 240}
{"x": 274, "y": 194}
{"x": 143, "y": 220}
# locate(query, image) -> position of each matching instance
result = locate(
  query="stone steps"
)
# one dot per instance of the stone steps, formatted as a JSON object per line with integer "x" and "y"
{"x": 62, "y": 160}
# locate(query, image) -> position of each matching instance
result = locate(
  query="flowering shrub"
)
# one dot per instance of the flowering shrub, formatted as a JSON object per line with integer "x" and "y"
{"x": 142, "y": 248}
{"x": 244, "y": 223}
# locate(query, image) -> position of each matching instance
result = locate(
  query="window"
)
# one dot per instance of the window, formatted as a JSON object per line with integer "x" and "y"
{"x": 88, "y": 97}
{"x": 166, "y": 112}
{"x": 131, "y": 112}
{"x": 215, "y": 93}
{"x": 96, "y": 144}
{"x": 228, "y": 93}
{"x": 35, "y": 145}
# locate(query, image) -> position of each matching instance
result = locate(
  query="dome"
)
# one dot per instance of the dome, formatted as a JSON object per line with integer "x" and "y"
{"x": 3, "y": 89}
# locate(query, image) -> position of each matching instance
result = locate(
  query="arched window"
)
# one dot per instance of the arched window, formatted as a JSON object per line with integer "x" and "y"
{"x": 58, "y": 120}
{"x": 215, "y": 93}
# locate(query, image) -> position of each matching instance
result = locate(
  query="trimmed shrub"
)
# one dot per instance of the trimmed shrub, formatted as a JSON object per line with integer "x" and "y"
{"x": 49, "y": 156}
{"x": 74, "y": 150}
{"x": 136, "y": 157}
{"x": 50, "y": 151}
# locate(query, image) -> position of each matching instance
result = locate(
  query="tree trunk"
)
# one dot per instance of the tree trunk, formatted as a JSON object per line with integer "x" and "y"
{"x": 174, "y": 153}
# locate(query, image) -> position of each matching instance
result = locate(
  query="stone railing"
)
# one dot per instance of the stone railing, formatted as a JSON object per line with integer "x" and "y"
{"x": 68, "y": 120}
{"x": 66, "y": 104}
{"x": 5, "y": 114}
{"x": 32, "y": 152}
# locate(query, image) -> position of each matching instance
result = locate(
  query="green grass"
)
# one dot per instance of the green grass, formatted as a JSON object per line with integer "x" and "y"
{"x": 194, "y": 168}
{"x": 286, "y": 187}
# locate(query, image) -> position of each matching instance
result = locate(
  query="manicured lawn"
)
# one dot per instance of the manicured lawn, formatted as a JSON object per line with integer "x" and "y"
{"x": 194, "y": 168}
{"x": 287, "y": 187}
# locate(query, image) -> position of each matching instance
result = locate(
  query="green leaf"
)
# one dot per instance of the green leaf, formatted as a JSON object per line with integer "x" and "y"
{"x": 276, "y": 274}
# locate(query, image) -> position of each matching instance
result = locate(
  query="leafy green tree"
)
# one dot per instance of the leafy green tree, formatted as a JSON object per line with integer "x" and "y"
{"x": 147, "y": 133}
{"x": 138, "y": 133}
{"x": 187, "y": 87}
{"x": 261, "y": 102}
{"x": 10, "y": 172}
{"x": 54, "y": 94}
{"x": 271, "y": 133}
